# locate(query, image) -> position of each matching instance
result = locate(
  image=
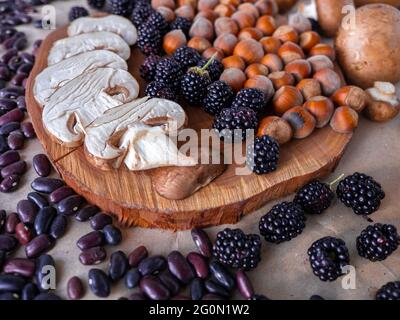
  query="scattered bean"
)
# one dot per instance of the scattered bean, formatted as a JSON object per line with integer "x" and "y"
{"x": 21, "y": 104}
{"x": 100, "y": 220}
{"x": 199, "y": 264}
{"x": 3, "y": 218}
{"x": 9, "y": 127}
{"x": 7, "y": 104}
{"x": 11, "y": 283}
{"x": 48, "y": 296}
{"x": 99, "y": 283}
{"x": 179, "y": 267}
{"x": 244, "y": 285}
{"x": 137, "y": 255}
{"x": 170, "y": 282}
{"x": 60, "y": 194}
{"x": 152, "y": 265}
{"x": 215, "y": 288}
{"x": 137, "y": 296}
{"x": 112, "y": 235}
{"x": 86, "y": 212}
{"x": 20, "y": 266}
{"x": 43, "y": 220}
{"x": 153, "y": 288}
{"x": 90, "y": 240}
{"x": 43, "y": 262}
{"x": 46, "y": 185}
{"x": 3, "y": 145}
{"x": 118, "y": 266}
{"x": 92, "y": 256}
{"x": 202, "y": 241}
{"x": 75, "y": 288}
{"x": 7, "y": 243}
{"x": 28, "y": 130}
{"x": 38, "y": 199}
{"x": 197, "y": 289}
{"x": 38, "y": 246}
{"x": 70, "y": 205}
{"x": 3, "y": 256}
{"x": 11, "y": 222}
{"x": 11, "y": 116}
{"x": 58, "y": 227}
{"x": 16, "y": 168}
{"x": 26, "y": 211}
{"x": 29, "y": 292}
{"x": 222, "y": 275}
{"x": 23, "y": 233}
{"x": 42, "y": 165}
{"x": 10, "y": 183}
{"x": 16, "y": 140}
{"x": 132, "y": 278}
{"x": 9, "y": 296}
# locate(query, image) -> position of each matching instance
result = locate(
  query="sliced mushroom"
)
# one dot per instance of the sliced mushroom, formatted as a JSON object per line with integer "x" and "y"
{"x": 69, "y": 47}
{"x": 111, "y": 23}
{"x": 82, "y": 100}
{"x": 59, "y": 74}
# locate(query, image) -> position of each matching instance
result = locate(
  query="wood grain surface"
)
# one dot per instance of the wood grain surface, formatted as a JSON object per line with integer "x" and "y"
{"x": 132, "y": 198}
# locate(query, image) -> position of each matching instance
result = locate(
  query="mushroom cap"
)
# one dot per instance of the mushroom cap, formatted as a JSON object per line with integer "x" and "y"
{"x": 330, "y": 14}
{"x": 371, "y": 50}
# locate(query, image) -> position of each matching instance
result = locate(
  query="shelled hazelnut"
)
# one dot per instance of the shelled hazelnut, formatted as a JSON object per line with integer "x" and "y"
{"x": 286, "y": 98}
{"x": 262, "y": 83}
{"x": 382, "y": 102}
{"x": 225, "y": 25}
{"x": 309, "y": 88}
{"x": 300, "y": 69}
{"x": 344, "y": 120}
{"x": 266, "y": 24}
{"x": 309, "y": 39}
{"x": 203, "y": 5}
{"x": 281, "y": 79}
{"x": 323, "y": 49}
{"x": 329, "y": 80}
{"x": 224, "y": 10}
{"x": 167, "y": 13}
{"x": 321, "y": 108}
{"x": 163, "y": 3}
{"x": 256, "y": 69}
{"x": 234, "y": 62}
{"x": 271, "y": 44}
{"x": 290, "y": 51}
{"x": 234, "y": 77}
{"x": 351, "y": 96}
{"x": 217, "y": 53}
{"x": 268, "y": 7}
{"x": 250, "y": 33}
{"x": 320, "y": 62}
{"x": 249, "y": 8}
{"x": 226, "y": 42}
{"x": 199, "y": 43}
{"x": 244, "y": 19}
{"x": 273, "y": 62}
{"x": 300, "y": 23}
{"x": 173, "y": 40}
{"x": 249, "y": 50}
{"x": 302, "y": 122}
{"x": 202, "y": 27}
{"x": 277, "y": 128}
{"x": 286, "y": 33}
{"x": 185, "y": 11}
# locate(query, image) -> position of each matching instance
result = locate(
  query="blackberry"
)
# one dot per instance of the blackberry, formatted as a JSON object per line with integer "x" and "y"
{"x": 235, "y": 124}
{"x": 236, "y": 249}
{"x": 219, "y": 96}
{"x": 77, "y": 12}
{"x": 140, "y": 14}
{"x": 194, "y": 85}
{"x": 119, "y": 7}
{"x": 361, "y": 193}
{"x": 263, "y": 155}
{"x": 148, "y": 68}
{"x": 181, "y": 23}
{"x": 187, "y": 57}
{"x": 378, "y": 242}
{"x": 390, "y": 291}
{"x": 315, "y": 197}
{"x": 149, "y": 40}
{"x": 327, "y": 258}
{"x": 169, "y": 73}
{"x": 283, "y": 222}
{"x": 156, "y": 20}
{"x": 250, "y": 98}
{"x": 158, "y": 90}
{"x": 96, "y": 4}
{"x": 215, "y": 69}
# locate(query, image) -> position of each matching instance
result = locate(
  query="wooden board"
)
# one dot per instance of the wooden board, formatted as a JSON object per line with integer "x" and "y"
{"x": 131, "y": 197}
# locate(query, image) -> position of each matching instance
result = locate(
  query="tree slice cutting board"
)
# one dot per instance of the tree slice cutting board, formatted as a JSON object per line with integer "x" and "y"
{"x": 132, "y": 198}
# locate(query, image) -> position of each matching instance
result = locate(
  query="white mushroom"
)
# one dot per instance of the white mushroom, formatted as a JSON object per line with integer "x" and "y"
{"x": 82, "y": 100}
{"x": 57, "y": 75}
{"x": 112, "y": 23}
{"x": 68, "y": 47}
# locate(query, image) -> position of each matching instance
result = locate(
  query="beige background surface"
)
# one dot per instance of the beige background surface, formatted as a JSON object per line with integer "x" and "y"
{"x": 284, "y": 272}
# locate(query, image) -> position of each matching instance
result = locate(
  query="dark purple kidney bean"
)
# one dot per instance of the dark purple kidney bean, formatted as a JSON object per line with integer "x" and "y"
{"x": 100, "y": 220}
{"x": 29, "y": 292}
{"x": 47, "y": 296}
{"x": 3, "y": 84}
{"x": 20, "y": 44}
{"x": 23, "y": 233}
{"x": 137, "y": 255}
{"x": 8, "y": 55}
{"x": 92, "y": 256}
{"x": 75, "y": 289}
{"x": 8, "y": 243}
{"x": 60, "y": 194}
{"x": 211, "y": 297}
{"x": 3, "y": 145}
{"x": 20, "y": 266}
{"x": 10, "y": 183}
{"x": 153, "y": 288}
{"x": 42, "y": 165}
{"x": 179, "y": 267}
{"x": 38, "y": 246}
{"x": 202, "y": 242}
{"x": 12, "y": 92}
{"x": 222, "y": 275}
{"x": 152, "y": 265}
{"x": 43, "y": 220}
{"x": 112, "y": 235}
{"x": 86, "y": 212}
{"x": 213, "y": 287}
{"x": 16, "y": 140}
{"x": 8, "y": 104}
{"x": 28, "y": 130}
{"x": 18, "y": 168}
{"x": 9, "y": 157}
{"x": 197, "y": 289}
{"x": 9, "y": 127}
{"x": 5, "y": 73}
{"x": 38, "y": 199}
{"x": 21, "y": 104}
{"x": 15, "y": 63}
{"x": 99, "y": 283}
{"x": 9, "y": 296}
{"x": 170, "y": 282}
{"x": 11, "y": 116}
{"x": 199, "y": 264}
{"x": 70, "y": 205}
{"x": 132, "y": 278}
{"x": 26, "y": 211}
{"x": 25, "y": 69}
{"x": 137, "y": 296}
{"x": 27, "y": 58}
{"x": 43, "y": 262}
{"x": 11, "y": 222}
{"x": 118, "y": 266}
{"x": 3, "y": 218}
{"x": 244, "y": 285}
{"x": 19, "y": 78}
{"x": 46, "y": 185}
{"x": 3, "y": 256}
{"x": 11, "y": 283}
{"x": 90, "y": 240}
{"x": 58, "y": 227}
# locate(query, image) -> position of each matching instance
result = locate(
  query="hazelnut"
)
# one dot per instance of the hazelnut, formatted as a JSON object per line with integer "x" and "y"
{"x": 320, "y": 62}
{"x": 249, "y": 8}
{"x": 302, "y": 122}
{"x": 277, "y": 128}
{"x": 321, "y": 108}
{"x": 344, "y": 120}
{"x": 382, "y": 102}
{"x": 266, "y": 24}
{"x": 224, "y": 10}
{"x": 270, "y": 44}
{"x": 163, "y": 3}
{"x": 185, "y": 11}
{"x": 323, "y": 49}
{"x": 286, "y": 33}
{"x": 202, "y": 27}
{"x": 329, "y": 80}
{"x": 281, "y": 79}
{"x": 300, "y": 69}
{"x": 208, "y": 14}
{"x": 244, "y": 19}
{"x": 234, "y": 62}
{"x": 309, "y": 88}
{"x": 225, "y": 25}
{"x": 267, "y": 7}
{"x": 250, "y": 33}
{"x": 249, "y": 50}
{"x": 273, "y": 62}
{"x": 167, "y": 13}
{"x": 200, "y": 44}
{"x": 281, "y": 20}
{"x": 290, "y": 51}
{"x": 234, "y": 3}
{"x": 256, "y": 69}
{"x": 286, "y": 98}
{"x": 226, "y": 42}
{"x": 300, "y": 22}
{"x": 192, "y": 3}
{"x": 309, "y": 39}
{"x": 173, "y": 40}
{"x": 234, "y": 77}
{"x": 203, "y": 5}
{"x": 208, "y": 53}
{"x": 262, "y": 83}
{"x": 351, "y": 96}
{"x": 285, "y": 5}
